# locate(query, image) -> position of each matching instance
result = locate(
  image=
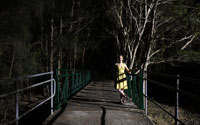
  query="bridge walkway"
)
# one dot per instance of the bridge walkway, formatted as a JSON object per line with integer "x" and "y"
{"x": 99, "y": 104}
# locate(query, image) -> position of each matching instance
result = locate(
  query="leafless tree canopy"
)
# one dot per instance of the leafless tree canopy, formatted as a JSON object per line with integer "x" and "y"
{"x": 144, "y": 30}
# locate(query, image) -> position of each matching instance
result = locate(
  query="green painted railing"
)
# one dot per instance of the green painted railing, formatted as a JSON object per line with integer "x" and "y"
{"x": 135, "y": 89}
{"x": 68, "y": 83}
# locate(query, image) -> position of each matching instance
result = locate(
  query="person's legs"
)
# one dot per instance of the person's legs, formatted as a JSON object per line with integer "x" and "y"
{"x": 122, "y": 96}
{"x": 122, "y": 92}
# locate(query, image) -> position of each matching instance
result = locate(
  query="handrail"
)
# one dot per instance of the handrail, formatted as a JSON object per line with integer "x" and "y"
{"x": 53, "y": 91}
{"x": 40, "y": 74}
{"x": 163, "y": 75}
{"x": 174, "y": 76}
{"x": 185, "y": 79}
{"x": 51, "y": 97}
{"x": 176, "y": 89}
{"x": 161, "y": 84}
{"x": 20, "y": 90}
{"x": 162, "y": 108}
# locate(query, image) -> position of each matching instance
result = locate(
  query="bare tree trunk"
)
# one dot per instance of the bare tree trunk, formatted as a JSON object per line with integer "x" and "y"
{"x": 42, "y": 37}
{"x": 59, "y": 59}
{"x": 83, "y": 58}
{"x": 5, "y": 109}
{"x": 141, "y": 30}
{"x": 134, "y": 55}
{"x": 51, "y": 45}
{"x": 29, "y": 91}
{"x": 42, "y": 44}
{"x": 51, "y": 50}
{"x": 75, "y": 53}
{"x": 151, "y": 40}
{"x": 71, "y": 61}
{"x": 70, "y": 64}
{"x": 12, "y": 64}
{"x": 46, "y": 53}
{"x": 72, "y": 14}
{"x": 60, "y": 47}
{"x": 10, "y": 75}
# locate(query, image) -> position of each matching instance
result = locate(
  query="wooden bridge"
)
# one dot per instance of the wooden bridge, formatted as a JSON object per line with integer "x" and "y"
{"x": 99, "y": 104}
{"x": 74, "y": 98}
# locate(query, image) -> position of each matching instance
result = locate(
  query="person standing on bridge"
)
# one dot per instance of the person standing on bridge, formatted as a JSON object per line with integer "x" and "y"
{"x": 121, "y": 84}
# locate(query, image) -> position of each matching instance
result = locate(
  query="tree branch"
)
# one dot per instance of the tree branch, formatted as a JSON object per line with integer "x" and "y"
{"x": 33, "y": 45}
{"x": 188, "y": 42}
{"x": 2, "y": 52}
{"x": 181, "y": 40}
{"x": 163, "y": 61}
{"x": 83, "y": 26}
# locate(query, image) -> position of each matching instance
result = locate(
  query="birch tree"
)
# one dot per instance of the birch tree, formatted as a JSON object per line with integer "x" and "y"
{"x": 140, "y": 29}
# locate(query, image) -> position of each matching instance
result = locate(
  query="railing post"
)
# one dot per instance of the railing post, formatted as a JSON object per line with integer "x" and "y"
{"x": 145, "y": 82}
{"x": 177, "y": 101}
{"x": 66, "y": 89}
{"x": 129, "y": 86}
{"x": 16, "y": 104}
{"x": 57, "y": 96}
{"x": 141, "y": 91}
{"x": 51, "y": 92}
{"x": 72, "y": 81}
{"x": 134, "y": 91}
{"x": 76, "y": 80}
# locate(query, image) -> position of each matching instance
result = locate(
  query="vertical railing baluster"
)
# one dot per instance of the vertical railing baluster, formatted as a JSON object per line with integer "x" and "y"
{"x": 128, "y": 92}
{"x": 145, "y": 82}
{"x": 134, "y": 91}
{"x": 72, "y": 81}
{"x": 141, "y": 97}
{"x": 66, "y": 88}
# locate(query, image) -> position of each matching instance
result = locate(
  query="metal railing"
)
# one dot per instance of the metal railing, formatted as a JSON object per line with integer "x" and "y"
{"x": 175, "y": 89}
{"x": 68, "y": 83}
{"x": 135, "y": 88}
{"x": 18, "y": 90}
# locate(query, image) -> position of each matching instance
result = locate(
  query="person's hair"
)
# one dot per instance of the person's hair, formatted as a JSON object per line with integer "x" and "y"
{"x": 121, "y": 56}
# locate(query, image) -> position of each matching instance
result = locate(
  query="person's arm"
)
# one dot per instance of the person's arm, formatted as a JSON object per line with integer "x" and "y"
{"x": 127, "y": 69}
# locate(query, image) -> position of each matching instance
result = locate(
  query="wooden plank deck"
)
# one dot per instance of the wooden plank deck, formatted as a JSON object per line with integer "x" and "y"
{"x": 99, "y": 104}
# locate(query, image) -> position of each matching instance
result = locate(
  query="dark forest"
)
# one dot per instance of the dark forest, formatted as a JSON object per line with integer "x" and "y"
{"x": 152, "y": 35}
